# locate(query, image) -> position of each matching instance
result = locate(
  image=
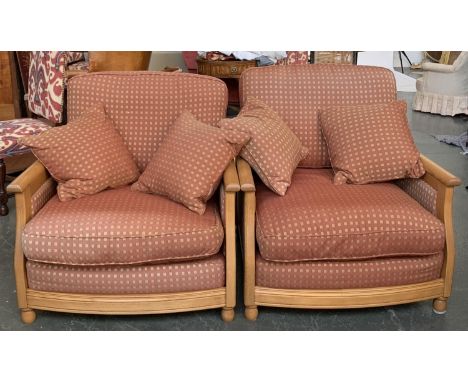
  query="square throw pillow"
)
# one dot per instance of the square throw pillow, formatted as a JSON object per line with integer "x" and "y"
{"x": 190, "y": 162}
{"x": 273, "y": 151}
{"x": 85, "y": 156}
{"x": 370, "y": 143}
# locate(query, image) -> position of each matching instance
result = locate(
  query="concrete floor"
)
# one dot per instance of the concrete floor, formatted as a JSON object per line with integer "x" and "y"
{"x": 416, "y": 316}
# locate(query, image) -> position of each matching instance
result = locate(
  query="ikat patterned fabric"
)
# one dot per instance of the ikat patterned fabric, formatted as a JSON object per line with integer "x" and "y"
{"x": 273, "y": 151}
{"x": 85, "y": 156}
{"x": 176, "y": 277}
{"x": 46, "y": 84}
{"x": 121, "y": 226}
{"x": 294, "y": 58}
{"x": 14, "y": 129}
{"x": 298, "y": 92}
{"x": 144, "y": 105}
{"x": 190, "y": 162}
{"x": 371, "y": 273}
{"x": 370, "y": 143}
{"x": 317, "y": 220}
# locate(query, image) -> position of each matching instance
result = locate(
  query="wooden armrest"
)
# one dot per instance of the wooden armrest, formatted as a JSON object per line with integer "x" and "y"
{"x": 31, "y": 179}
{"x": 230, "y": 178}
{"x": 439, "y": 173}
{"x": 245, "y": 176}
{"x": 440, "y": 68}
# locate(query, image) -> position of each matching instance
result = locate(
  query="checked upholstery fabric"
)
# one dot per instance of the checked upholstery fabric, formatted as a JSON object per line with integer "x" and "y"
{"x": 298, "y": 92}
{"x": 318, "y": 220}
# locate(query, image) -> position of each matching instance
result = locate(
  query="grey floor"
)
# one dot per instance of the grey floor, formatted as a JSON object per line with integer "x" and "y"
{"x": 416, "y": 316}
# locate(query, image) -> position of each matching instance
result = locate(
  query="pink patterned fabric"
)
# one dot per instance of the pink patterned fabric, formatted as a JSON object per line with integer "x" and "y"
{"x": 12, "y": 130}
{"x": 298, "y": 92}
{"x": 420, "y": 191}
{"x": 144, "y": 105}
{"x": 317, "y": 220}
{"x": 43, "y": 195}
{"x": 184, "y": 276}
{"x": 295, "y": 57}
{"x": 120, "y": 226}
{"x": 372, "y": 273}
{"x": 46, "y": 84}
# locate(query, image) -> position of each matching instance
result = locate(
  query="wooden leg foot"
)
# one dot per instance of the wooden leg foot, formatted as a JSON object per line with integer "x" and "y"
{"x": 439, "y": 305}
{"x": 3, "y": 192}
{"x": 251, "y": 313}
{"x": 28, "y": 316}
{"x": 227, "y": 314}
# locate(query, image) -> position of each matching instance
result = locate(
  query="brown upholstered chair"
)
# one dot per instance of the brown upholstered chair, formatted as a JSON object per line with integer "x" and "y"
{"x": 317, "y": 246}
{"x": 84, "y": 239}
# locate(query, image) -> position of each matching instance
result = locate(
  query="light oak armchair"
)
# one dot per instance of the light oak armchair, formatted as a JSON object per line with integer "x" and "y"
{"x": 341, "y": 282}
{"x": 156, "y": 224}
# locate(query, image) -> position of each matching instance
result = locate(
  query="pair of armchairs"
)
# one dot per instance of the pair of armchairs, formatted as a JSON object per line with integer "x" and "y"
{"x": 100, "y": 254}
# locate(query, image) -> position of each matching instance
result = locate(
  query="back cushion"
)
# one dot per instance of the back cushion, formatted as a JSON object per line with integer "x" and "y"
{"x": 297, "y": 92}
{"x": 144, "y": 105}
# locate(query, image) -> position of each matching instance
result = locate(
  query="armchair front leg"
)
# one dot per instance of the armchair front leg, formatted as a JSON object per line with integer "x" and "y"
{"x": 247, "y": 185}
{"x": 24, "y": 188}
{"x": 230, "y": 188}
{"x": 444, "y": 183}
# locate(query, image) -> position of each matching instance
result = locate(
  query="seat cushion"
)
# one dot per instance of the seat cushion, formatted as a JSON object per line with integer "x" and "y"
{"x": 120, "y": 226}
{"x": 317, "y": 220}
{"x": 14, "y": 129}
{"x": 372, "y": 273}
{"x": 182, "y": 276}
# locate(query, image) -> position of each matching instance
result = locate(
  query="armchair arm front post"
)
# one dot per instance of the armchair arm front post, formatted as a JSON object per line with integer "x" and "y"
{"x": 230, "y": 188}
{"x": 444, "y": 183}
{"x": 247, "y": 185}
{"x": 24, "y": 187}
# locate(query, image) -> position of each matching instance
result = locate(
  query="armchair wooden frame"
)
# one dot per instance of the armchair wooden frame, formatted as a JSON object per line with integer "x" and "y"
{"x": 439, "y": 290}
{"x": 28, "y": 299}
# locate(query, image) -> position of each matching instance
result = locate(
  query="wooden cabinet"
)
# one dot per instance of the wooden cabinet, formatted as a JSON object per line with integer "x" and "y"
{"x": 9, "y": 98}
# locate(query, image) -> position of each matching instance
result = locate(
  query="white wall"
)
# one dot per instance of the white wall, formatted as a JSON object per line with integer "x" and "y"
{"x": 159, "y": 60}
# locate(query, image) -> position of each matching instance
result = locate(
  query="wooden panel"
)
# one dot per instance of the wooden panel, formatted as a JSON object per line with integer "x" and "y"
{"x": 127, "y": 304}
{"x": 348, "y": 298}
{"x": 7, "y": 108}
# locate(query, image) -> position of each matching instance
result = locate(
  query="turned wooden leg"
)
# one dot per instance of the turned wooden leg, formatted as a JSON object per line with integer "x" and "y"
{"x": 227, "y": 314}
{"x": 28, "y": 316}
{"x": 251, "y": 313}
{"x": 3, "y": 192}
{"x": 439, "y": 305}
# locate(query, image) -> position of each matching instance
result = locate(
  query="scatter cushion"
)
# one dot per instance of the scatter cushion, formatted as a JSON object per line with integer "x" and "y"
{"x": 316, "y": 220}
{"x": 119, "y": 226}
{"x": 85, "y": 156}
{"x": 370, "y": 143}
{"x": 190, "y": 162}
{"x": 273, "y": 151}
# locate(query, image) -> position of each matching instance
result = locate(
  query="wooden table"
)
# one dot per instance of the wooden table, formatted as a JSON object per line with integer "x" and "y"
{"x": 229, "y": 71}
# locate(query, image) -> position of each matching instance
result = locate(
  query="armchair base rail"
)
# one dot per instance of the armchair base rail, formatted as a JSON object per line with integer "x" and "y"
{"x": 127, "y": 304}
{"x": 348, "y": 298}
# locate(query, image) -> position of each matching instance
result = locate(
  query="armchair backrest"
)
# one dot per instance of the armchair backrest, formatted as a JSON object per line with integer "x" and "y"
{"x": 144, "y": 105}
{"x": 297, "y": 92}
